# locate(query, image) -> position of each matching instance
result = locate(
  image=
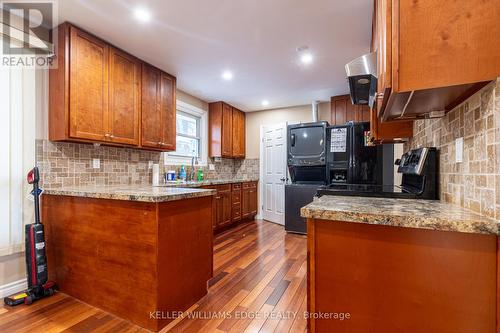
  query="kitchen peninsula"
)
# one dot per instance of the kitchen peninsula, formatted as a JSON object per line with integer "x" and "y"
{"x": 138, "y": 252}
{"x": 401, "y": 265}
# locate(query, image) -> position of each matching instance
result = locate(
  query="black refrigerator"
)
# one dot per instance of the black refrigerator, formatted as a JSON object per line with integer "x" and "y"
{"x": 350, "y": 158}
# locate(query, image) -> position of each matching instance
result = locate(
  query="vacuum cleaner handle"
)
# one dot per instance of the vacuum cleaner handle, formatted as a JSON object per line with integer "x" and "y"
{"x": 33, "y": 178}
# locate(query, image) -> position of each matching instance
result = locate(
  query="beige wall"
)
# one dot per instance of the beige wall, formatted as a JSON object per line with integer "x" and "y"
{"x": 293, "y": 114}
{"x": 192, "y": 100}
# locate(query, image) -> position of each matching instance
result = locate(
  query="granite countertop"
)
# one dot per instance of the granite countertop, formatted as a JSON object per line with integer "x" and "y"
{"x": 146, "y": 193}
{"x": 409, "y": 213}
{"x": 207, "y": 182}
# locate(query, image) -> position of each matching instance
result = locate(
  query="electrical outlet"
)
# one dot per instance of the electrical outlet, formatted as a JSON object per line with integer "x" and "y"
{"x": 150, "y": 165}
{"x": 459, "y": 150}
{"x": 211, "y": 167}
{"x": 96, "y": 163}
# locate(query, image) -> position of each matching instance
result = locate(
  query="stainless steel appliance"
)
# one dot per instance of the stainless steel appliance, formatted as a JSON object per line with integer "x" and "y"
{"x": 419, "y": 169}
{"x": 362, "y": 77}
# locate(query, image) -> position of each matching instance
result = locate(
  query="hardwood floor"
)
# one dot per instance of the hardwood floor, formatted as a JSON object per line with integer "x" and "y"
{"x": 259, "y": 285}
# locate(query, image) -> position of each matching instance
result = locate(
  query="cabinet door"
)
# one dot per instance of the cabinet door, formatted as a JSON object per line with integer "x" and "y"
{"x": 342, "y": 110}
{"x": 88, "y": 99}
{"x": 362, "y": 113}
{"x": 252, "y": 197}
{"x": 151, "y": 133}
{"x": 168, "y": 112}
{"x": 383, "y": 45}
{"x": 219, "y": 210}
{"x": 124, "y": 98}
{"x": 238, "y": 133}
{"x": 245, "y": 203}
{"x": 227, "y": 130}
{"x": 226, "y": 207}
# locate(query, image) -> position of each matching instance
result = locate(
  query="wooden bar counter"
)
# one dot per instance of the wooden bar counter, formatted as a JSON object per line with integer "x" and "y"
{"x": 395, "y": 265}
{"x": 140, "y": 253}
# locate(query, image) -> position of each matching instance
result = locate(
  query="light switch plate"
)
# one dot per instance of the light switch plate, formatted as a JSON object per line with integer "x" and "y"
{"x": 459, "y": 150}
{"x": 96, "y": 163}
{"x": 211, "y": 167}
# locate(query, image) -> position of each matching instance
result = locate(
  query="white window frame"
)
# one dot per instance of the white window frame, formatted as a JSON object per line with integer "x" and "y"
{"x": 170, "y": 158}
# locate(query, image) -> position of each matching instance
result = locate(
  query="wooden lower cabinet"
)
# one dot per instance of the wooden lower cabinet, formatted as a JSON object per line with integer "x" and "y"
{"x": 136, "y": 260}
{"x": 233, "y": 203}
{"x": 249, "y": 199}
{"x": 390, "y": 279}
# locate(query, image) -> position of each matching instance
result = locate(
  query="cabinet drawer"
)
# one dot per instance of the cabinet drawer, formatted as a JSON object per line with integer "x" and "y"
{"x": 250, "y": 185}
{"x": 236, "y": 186}
{"x": 236, "y": 212}
{"x": 225, "y": 187}
{"x": 236, "y": 197}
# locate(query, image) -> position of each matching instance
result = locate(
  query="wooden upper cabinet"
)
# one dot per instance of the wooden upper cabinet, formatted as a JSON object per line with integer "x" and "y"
{"x": 88, "y": 95}
{"x": 151, "y": 134}
{"x": 226, "y": 131}
{"x": 168, "y": 111}
{"x": 124, "y": 97}
{"x": 238, "y": 135}
{"x": 432, "y": 55}
{"x": 158, "y": 109}
{"x": 99, "y": 93}
{"x": 342, "y": 111}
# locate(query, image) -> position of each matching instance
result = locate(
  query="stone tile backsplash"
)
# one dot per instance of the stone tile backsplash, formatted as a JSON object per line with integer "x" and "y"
{"x": 70, "y": 164}
{"x": 475, "y": 182}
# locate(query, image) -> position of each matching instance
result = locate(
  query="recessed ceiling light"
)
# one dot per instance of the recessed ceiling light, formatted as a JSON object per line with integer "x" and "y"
{"x": 265, "y": 102}
{"x": 227, "y": 75}
{"x": 306, "y": 58}
{"x": 142, "y": 14}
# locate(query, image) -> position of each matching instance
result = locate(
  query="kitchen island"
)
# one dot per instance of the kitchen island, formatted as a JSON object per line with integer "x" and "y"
{"x": 142, "y": 253}
{"x": 400, "y": 265}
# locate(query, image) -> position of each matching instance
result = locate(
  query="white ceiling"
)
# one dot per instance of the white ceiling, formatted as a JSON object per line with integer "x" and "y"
{"x": 196, "y": 40}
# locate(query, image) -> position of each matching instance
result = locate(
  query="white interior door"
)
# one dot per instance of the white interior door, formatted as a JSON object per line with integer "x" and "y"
{"x": 274, "y": 172}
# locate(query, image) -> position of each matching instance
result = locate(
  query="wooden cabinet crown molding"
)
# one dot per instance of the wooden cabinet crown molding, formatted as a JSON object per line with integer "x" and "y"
{"x": 96, "y": 95}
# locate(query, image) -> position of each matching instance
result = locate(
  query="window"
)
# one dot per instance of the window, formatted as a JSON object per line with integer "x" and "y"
{"x": 192, "y": 135}
{"x": 188, "y": 135}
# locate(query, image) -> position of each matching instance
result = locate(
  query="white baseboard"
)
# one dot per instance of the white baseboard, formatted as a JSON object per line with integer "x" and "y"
{"x": 13, "y": 287}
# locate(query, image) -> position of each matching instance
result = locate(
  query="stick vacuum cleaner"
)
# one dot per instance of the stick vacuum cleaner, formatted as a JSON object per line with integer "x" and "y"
{"x": 36, "y": 260}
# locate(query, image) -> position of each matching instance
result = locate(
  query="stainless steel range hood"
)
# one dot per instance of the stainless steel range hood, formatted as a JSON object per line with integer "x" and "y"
{"x": 362, "y": 76}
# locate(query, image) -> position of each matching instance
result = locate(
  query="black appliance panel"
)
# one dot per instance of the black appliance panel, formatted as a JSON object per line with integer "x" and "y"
{"x": 349, "y": 159}
{"x": 307, "y": 174}
{"x": 296, "y": 197}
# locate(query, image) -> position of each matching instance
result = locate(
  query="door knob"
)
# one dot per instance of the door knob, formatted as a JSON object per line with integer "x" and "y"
{"x": 282, "y": 179}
